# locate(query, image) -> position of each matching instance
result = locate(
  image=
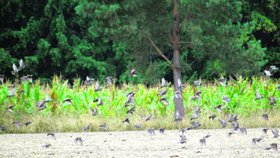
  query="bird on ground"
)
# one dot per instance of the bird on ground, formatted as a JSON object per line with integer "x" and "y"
{"x": 161, "y": 130}
{"x": 183, "y": 130}
{"x": 129, "y": 99}
{"x": 222, "y": 81}
{"x": 164, "y": 101}
{"x": 148, "y": 118}
{"x": 275, "y": 133}
{"x": 89, "y": 81}
{"x": 202, "y": 141}
{"x": 138, "y": 126}
{"x": 183, "y": 139}
{"x": 109, "y": 80}
{"x": 232, "y": 118}
{"x": 78, "y": 140}
{"x": 267, "y": 73}
{"x": 86, "y": 128}
{"x": 226, "y": 99}
{"x": 52, "y": 135}
{"x": 195, "y": 124}
{"x": 219, "y": 108}
{"x": 103, "y": 126}
{"x": 235, "y": 125}
{"x": 273, "y": 146}
{"x": 131, "y": 110}
{"x": 178, "y": 94}
{"x": 257, "y": 140}
{"x": 231, "y": 133}
{"x": 151, "y": 132}
{"x": 197, "y": 95}
{"x": 46, "y": 145}
{"x": 265, "y": 130}
{"x": 3, "y": 128}
{"x": 67, "y": 100}
{"x": 162, "y": 93}
{"x": 243, "y": 130}
{"x": 10, "y": 108}
{"x": 197, "y": 83}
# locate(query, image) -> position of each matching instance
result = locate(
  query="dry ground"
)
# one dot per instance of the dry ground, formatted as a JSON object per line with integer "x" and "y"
{"x": 139, "y": 144}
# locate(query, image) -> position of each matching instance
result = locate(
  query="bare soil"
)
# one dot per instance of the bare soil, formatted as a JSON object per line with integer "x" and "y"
{"x": 139, "y": 144}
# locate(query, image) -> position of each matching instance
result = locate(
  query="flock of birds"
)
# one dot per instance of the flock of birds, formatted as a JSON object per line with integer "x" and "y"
{"x": 231, "y": 119}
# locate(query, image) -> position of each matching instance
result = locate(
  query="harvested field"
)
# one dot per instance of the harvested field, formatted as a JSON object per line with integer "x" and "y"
{"x": 140, "y": 144}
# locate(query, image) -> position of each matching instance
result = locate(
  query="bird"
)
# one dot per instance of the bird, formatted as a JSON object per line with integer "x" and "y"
{"x": 164, "y": 101}
{"x": 183, "y": 130}
{"x": 129, "y": 99}
{"x": 3, "y": 128}
{"x": 243, "y": 130}
{"x": 223, "y": 123}
{"x": 2, "y": 78}
{"x": 161, "y": 130}
{"x": 232, "y": 118}
{"x": 231, "y": 133}
{"x": 10, "y": 108}
{"x": 162, "y": 93}
{"x": 197, "y": 95}
{"x": 109, "y": 80}
{"x": 11, "y": 91}
{"x": 203, "y": 140}
{"x": 183, "y": 139}
{"x": 265, "y": 116}
{"x": 257, "y": 140}
{"x": 212, "y": 117}
{"x": 195, "y": 124}
{"x": 126, "y": 121}
{"x": 28, "y": 123}
{"x": 267, "y": 73}
{"x": 133, "y": 73}
{"x": 235, "y": 125}
{"x": 273, "y": 146}
{"x": 52, "y": 135}
{"x": 178, "y": 94}
{"x": 163, "y": 83}
{"x": 272, "y": 101}
{"x": 17, "y": 124}
{"x": 258, "y": 96}
{"x": 27, "y": 78}
{"x": 148, "y": 118}
{"x": 89, "y": 81}
{"x": 226, "y": 99}
{"x": 99, "y": 101}
{"x": 197, "y": 83}
{"x": 78, "y": 140}
{"x": 278, "y": 87}
{"x": 46, "y": 145}
{"x": 137, "y": 126}
{"x": 275, "y": 133}
{"x": 41, "y": 105}
{"x": 273, "y": 68}
{"x": 93, "y": 111}
{"x": 222, "y": 81}
{"x": 131, "y": 110}
{"x": 195, "y": 116}
{"x": 151, "y": 131}
{"x": 86, "y": 128}
{"x": 97, "y": 86}
{"x": 219, "y": 108}
{"x": 265, "y": 130}
{"x": 104, "y": 126}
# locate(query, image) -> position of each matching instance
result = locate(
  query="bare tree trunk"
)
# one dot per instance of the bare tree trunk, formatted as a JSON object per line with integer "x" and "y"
{"x": 178, "y": 99}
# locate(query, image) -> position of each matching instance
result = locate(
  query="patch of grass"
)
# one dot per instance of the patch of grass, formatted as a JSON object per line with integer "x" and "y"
{"x": 61, "y": 116}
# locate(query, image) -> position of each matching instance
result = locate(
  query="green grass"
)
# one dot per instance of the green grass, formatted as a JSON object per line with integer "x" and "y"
{"x": 64, "y": 117}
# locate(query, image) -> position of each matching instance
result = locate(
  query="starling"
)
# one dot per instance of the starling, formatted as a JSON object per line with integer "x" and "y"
{"x": 41, "y": 105}
{"x": 104, "y": 126}
{"x": 67, "y": 100}
{"x": 197, "y": 83}
{"x": 129, "y": 99}
{"x": 273, "y": 68}
{"x": 265, "y": 130}
{"x": 178, "y": 94}
{"x": 232, "y": 118}
{"x": 195, "y": 116}
{"x": 3, "y": 128}
{"x": 137, "y": 126}
{"x": 235, "y": 125}
{"x": 219, "y": 108}
{"x": 148, "y": 118}
{"x": 231, "y": 133}
{"x": 222, "y": 81}
{"x": 183, "y": 130}
{"x": 162, "y": 93}
{"x": 86, "y": 128}
{"x": 10, "y": 108}
{"x": 78, "y": 140}
{"x": 202, "y": 141}
{"x": 109, "y": 80}
{"x": 89, "y": 81}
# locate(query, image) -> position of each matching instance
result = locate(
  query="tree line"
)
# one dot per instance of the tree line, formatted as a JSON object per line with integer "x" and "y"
{"x": 79, "y": 38}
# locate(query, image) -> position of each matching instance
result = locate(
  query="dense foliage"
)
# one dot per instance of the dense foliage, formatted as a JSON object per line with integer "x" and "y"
{"x": 109, "y": 38}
